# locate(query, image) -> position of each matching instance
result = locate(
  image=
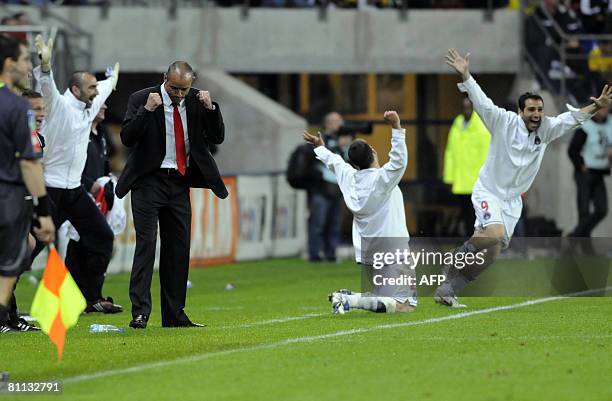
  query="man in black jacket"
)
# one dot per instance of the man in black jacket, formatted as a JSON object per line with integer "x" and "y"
{"x": 168, "y": 130}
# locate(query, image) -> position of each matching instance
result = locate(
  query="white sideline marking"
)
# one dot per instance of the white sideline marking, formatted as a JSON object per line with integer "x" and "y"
{"x": 308, "y": 339}
{"x": 272, "y": 321}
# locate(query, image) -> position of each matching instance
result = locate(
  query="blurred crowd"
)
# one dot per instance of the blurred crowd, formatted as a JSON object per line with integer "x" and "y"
{"x": 584, "y": 63}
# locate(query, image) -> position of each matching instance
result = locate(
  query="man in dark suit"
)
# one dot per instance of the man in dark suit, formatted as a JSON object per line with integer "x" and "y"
{"x": 168, "y": 130}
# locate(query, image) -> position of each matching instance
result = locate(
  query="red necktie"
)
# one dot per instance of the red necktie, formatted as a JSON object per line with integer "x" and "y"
{"x": 179, "y": 141}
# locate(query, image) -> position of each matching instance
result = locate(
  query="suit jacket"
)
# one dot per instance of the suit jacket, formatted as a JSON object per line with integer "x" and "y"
{"x": 144, "y": 133}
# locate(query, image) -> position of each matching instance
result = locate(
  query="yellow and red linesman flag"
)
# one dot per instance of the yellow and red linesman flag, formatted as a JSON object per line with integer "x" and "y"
{"x": 58, "y": 301}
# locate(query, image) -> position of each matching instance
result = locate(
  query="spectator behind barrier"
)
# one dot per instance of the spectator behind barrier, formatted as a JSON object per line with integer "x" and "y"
{"x": 593, "y": 14}
{"x": 540, "y": 47}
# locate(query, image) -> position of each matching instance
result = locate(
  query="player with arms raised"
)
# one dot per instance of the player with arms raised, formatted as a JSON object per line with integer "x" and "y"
{"x": 518, "y": 142}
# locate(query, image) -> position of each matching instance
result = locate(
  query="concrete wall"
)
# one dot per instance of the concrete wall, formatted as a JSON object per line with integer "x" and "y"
{"x": 289, "y": 40}
{"x": 260, "y": 133}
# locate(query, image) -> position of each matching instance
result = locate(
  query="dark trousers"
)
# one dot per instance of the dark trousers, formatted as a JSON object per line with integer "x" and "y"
{"x": 591, "y": 188}
{"x": 161, "y": 197}
{"x": 77, "y": 207}
{"x": 323, "y": 225}
{"x": 467, "y": 214}
{"x": 90, "y": 282}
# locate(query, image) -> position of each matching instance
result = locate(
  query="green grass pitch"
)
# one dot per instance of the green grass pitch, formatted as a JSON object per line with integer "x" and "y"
{"x": 273, "y": 338}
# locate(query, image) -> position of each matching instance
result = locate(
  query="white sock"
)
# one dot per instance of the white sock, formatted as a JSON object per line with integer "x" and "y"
{"x": 371, "y": 303}
{"x": 353, "y": 299}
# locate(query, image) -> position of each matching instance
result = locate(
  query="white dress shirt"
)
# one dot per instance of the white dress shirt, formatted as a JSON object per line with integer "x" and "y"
{"x": 372, "y": 195}
{"x": 515, "y": 155}
{"x": 170, "y": 158}
{"x": 66, "y": 130}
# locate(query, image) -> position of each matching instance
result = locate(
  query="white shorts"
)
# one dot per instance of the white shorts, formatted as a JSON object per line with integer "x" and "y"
{"x": 492, "y": 210}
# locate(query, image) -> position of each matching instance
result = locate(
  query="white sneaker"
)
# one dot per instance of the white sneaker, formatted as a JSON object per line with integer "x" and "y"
{"x": 340, "y": 305}
{"x": 450, "y": 301}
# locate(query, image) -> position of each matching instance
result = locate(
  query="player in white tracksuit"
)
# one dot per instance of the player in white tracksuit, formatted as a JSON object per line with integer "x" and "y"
{"x": 518, "y": 142}
{"x": 373, "y": 196}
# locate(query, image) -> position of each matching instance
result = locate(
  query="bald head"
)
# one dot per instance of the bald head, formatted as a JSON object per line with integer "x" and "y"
{"x": 181, "y": 69}
{"x": 83, "y": 86}
{"x": 76, "y": 79}
{"x": 178, "y": 80}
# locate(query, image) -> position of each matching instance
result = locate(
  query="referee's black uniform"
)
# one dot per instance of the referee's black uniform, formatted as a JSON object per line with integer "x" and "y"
{"x": 16, "y": 126}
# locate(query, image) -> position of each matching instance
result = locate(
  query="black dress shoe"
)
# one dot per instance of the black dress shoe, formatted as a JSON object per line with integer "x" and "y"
{"x": 139, "y": 322}
{"x": 187, "y": 323}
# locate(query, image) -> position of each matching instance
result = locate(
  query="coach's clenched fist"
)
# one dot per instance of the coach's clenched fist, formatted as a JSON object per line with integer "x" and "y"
{"x": 204, "y": 98}
{"x": 153, "y": 101}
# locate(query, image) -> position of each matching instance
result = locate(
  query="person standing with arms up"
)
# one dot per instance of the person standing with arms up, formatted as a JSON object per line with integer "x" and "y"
{"x": 66, "y": 132}
{"x": 518, "y": 142}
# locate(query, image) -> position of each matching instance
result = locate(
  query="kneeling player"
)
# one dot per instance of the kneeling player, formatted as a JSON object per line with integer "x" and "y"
{"x": 371, "y": 193}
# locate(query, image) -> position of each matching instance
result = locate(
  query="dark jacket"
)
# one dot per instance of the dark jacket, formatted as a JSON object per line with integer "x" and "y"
{"x": 144, "y": 133}
{"x": 99, "y": 153}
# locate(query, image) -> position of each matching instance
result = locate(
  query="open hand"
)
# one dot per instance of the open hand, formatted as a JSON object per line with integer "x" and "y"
{"x": 605, "y": 99}
{"x": 458, "y": 63}
{"x": 316, "y": 140}
{"x": 44, "y": 52}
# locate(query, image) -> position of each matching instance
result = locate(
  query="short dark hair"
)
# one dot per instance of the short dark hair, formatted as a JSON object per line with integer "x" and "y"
{"x": 528, "y": 95}
{"x": 9, "y": 48}
{"x": 77, "y": 79}
{"x": 181, "y": 67}
{"x": 30, "y": 94}
{"x": 360, "y": 155}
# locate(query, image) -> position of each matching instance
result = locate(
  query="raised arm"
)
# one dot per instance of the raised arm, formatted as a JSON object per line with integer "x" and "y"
{"x": 494, "y": 117}
{"x": 105, "y": 88}
{"x": 392, "y": 172}
{"x": 573, "y": 118}
{"x": 603, "y": 101}
{"x": 341, "y": 169}
{"x": 51, "y": 96}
